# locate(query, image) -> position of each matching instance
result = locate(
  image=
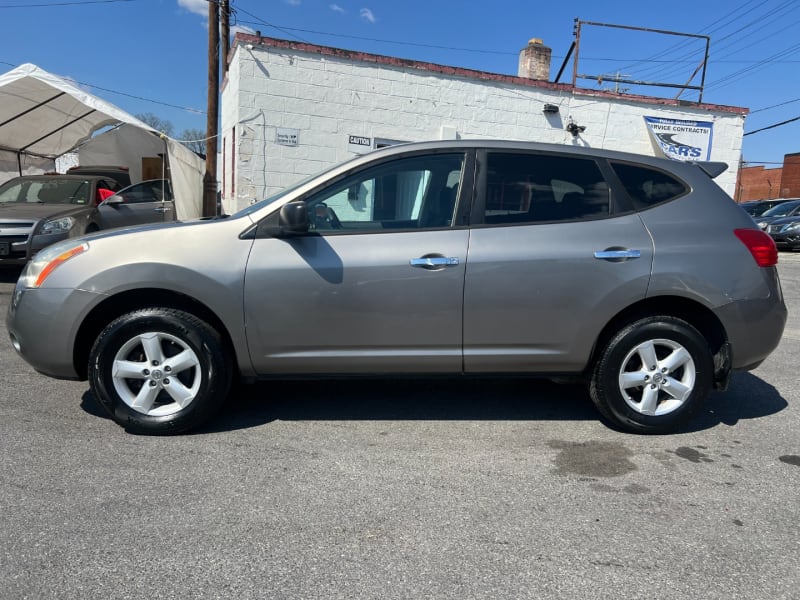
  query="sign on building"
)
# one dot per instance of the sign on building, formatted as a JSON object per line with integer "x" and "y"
{"x": 358, "y": 144}
{"x": 681, "y": 140}
{"x": 287, "y": 137}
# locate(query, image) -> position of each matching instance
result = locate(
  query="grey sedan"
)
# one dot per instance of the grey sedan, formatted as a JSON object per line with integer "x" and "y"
{"x": 637, "y": 275}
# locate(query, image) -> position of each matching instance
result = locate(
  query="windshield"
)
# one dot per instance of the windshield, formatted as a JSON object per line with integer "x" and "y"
{"x": 46, "y": 191}
{"x": 781, "y": 210}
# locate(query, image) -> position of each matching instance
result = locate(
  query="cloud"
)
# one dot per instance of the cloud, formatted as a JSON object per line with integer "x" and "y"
{"x": 368, "y": 15}
{"x": 198, "y": 7}
{"x": 337, "y": 8}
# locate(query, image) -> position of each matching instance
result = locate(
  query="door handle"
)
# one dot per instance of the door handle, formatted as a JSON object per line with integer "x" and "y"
{"x": 434, "y": 262}
{"x": 615, "y": 254}
{"x": 162, "y": 209}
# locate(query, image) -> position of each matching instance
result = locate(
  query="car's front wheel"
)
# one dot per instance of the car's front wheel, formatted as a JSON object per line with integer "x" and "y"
{"x": 159, "y": 371}
{"x": 653, "y": 375}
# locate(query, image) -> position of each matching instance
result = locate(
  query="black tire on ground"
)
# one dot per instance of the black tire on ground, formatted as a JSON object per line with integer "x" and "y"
{"x": 659, "y": 397}
{"x": 159, "y": 371}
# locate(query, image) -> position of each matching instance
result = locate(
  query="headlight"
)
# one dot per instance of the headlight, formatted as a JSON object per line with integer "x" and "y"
{"x": 762, "y": 224}
{"x": 792, "y": 226}
{"x": 62, "y": 225}
{"x": 41, "y": 265}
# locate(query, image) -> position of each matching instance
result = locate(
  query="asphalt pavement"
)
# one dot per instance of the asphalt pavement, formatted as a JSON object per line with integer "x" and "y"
{"x": 403, "y": 489}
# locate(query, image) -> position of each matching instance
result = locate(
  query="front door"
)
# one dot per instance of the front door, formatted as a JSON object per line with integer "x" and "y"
{"x": 142, "y": 203}
{"x": 375, "y": 287}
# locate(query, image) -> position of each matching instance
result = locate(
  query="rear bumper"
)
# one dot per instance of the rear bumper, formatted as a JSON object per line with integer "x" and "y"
{"x": 754, "y": 326}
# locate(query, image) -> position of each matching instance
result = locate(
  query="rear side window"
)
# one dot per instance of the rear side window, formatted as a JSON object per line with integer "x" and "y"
{"x": 533, "y": 188}
{"x": 648, "y": 187}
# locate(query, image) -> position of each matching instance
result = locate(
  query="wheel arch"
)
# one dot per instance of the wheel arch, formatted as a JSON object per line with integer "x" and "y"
{"x": 124, "y": 302}
{"x": 697, "y": 315}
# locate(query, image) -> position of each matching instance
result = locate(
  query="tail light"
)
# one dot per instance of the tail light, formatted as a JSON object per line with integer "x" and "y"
{"x": 761, "y": 246}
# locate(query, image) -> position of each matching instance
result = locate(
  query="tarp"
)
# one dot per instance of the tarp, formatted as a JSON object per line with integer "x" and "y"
{"x": 128, "y": 144}
{"x": 42, "y": 116}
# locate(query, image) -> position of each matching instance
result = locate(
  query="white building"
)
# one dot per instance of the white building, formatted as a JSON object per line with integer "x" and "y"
{"x": 291, "y": 109}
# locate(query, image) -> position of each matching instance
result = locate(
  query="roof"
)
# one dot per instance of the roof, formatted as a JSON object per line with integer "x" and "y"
{"x": 391, "y": 61}
{"x": 45, "y": 115}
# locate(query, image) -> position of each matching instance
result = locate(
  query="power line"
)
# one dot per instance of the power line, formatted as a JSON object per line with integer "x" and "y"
{"x": 196, "y": 111}
{"x": 758, "y": 110}
{"x": 773, "y": 126}
{"x": 76, "y": 3}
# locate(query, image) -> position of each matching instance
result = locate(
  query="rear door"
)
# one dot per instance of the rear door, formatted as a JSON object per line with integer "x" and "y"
{"x": 551, "y": 260}
{"x": 376, "y": 286}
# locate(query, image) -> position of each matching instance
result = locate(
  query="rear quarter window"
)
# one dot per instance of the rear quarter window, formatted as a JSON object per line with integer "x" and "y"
{"x": 648, "y": 187}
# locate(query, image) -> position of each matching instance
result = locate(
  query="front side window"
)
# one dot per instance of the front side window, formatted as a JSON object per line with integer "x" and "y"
{"x": 410, "y": 193}
{"x": 147, "y": 191}
{"x": 533, "y": 188}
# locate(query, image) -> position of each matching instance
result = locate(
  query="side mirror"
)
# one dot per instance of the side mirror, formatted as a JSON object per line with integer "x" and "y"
{"x": 293, "y": 218}
{"x": 115, "y": 199}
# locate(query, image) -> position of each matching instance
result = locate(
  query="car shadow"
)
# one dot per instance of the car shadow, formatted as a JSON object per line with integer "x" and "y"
{"x": 452, "y": 399}
{"x": 748, "y": 397}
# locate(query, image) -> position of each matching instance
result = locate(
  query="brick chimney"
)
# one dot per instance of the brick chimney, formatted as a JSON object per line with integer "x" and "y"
{"x": 534, "y": 60}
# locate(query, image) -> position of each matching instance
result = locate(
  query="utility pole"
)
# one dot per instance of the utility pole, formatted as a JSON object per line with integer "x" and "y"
{"x": 225, "y": 31}
{"x": 212, "y": 130}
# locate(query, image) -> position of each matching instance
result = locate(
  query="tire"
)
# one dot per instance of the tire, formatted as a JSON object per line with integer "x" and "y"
{"x": 159, "y": 371}
{"x": 658, "y": 397}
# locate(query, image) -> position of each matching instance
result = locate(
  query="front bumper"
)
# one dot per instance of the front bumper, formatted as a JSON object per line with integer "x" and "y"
{"x": 19, "y": 250}
{"x": 786, "y": 241}
{"x": 43, "y": 324}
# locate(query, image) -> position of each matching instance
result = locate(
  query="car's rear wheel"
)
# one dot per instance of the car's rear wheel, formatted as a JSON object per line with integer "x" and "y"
{"x": 653, "y": 375}
{"x": 159, "y": 371}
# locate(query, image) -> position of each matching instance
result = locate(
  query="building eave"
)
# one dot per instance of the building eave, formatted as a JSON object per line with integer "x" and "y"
{"x": 393, "y": 61}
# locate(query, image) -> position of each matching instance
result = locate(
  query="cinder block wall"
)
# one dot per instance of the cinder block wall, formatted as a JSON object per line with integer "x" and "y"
{"x": 326, "y": 99}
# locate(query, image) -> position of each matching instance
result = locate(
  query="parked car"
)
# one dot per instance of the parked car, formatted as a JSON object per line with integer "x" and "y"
{"x": 755, "y": 208}
{"x": 146, "y": 202}
{"x": 635, "y": 274}
{"x": 36, "y": 211}
{"x": 785, "y": 209}
{"x": 119, "y": 174}
{"x": 39, "y": 210}
{"x": 786, "y": 232}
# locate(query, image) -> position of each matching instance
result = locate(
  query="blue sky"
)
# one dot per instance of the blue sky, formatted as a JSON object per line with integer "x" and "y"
{"x": 150, "y": 56}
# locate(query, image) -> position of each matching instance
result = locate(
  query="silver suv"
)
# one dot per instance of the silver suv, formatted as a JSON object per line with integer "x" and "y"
{"x": 638, "y": 275}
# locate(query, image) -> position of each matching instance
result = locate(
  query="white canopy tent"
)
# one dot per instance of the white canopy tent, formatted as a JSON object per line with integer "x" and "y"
{"x": 43, "y": 116}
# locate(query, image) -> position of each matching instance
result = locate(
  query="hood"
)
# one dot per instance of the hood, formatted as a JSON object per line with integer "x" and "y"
{"x": 161, "y": 227}
{"x": 784, "y": 220}
{"x": 35, "y": 211}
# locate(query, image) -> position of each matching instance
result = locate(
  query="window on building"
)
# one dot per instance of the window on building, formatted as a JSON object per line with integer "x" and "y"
{"x": 524, "y": 187}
